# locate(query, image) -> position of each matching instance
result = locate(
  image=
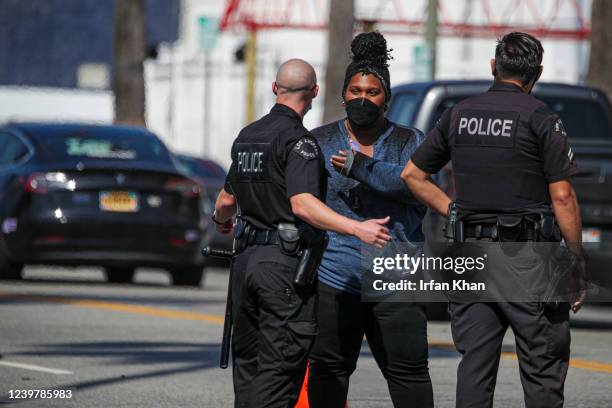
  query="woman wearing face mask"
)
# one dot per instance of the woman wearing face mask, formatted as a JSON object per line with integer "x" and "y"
{"x": 365, "y": 154}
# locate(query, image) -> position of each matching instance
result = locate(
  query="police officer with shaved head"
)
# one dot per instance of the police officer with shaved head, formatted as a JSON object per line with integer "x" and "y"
{"x": 512, "y": 169}
{"x": 276, "y": 188}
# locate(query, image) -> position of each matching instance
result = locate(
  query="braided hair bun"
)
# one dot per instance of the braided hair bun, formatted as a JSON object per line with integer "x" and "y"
{"x": 370, "y": 56}
{"x": 371, "y": 49}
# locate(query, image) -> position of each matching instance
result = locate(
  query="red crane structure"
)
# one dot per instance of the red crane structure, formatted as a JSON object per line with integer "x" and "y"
{"x": 557, "y": 19}
{"x": 541, "y": 18}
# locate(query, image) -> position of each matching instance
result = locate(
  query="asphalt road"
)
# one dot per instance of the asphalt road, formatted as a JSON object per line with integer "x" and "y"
{"x": 152, "y": 345}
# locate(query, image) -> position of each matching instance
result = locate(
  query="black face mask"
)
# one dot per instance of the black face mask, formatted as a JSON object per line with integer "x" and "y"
{"x": 362, "y": 112}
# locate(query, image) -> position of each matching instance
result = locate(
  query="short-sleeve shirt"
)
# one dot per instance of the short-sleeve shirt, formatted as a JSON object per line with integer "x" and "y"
{"x": 506, "y": 147}
{"x": 273, "y": 159}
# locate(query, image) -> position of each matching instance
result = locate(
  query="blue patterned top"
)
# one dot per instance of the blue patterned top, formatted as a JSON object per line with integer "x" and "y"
{"x": 373, "y": 189}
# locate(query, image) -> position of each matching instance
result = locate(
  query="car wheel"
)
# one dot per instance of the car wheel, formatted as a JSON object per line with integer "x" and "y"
{"x": 119, "y": 274}
{"x": 9, "y": 269}
{"x": 187, "y": 276}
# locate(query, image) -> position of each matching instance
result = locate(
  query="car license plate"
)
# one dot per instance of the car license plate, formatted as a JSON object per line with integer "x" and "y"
{"x": 591, "y": 235}
{"x": 119, "y": 201}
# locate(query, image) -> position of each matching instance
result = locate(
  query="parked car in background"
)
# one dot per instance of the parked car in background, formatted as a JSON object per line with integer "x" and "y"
{"x": 211, "y": 178}
{"x": 587, "y": 117}
{"x": 111, "y": 196}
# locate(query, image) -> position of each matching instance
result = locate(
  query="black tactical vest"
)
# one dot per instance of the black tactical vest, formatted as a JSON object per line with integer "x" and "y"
{"x": 259, "y": 158}
{"x": 495, "y": 154}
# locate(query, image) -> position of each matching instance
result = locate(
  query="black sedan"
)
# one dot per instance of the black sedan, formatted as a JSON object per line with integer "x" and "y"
{"x": 96, "y": 195}
{"x": 211, "y": 178}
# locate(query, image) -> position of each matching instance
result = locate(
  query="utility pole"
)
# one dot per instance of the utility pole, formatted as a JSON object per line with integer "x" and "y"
{"x": 600, "y": 60}
{"x": 206, "y": 110}
{"x": 128, "y": 59}
{"x": 208, "y": 30}
{"x": 340, "y": 34}
{"x": 251, "y": 62}
{"x": 431, "y": 35}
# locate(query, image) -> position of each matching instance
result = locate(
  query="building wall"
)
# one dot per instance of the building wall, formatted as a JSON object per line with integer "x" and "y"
{"x": 176, "y": 80}
{"x": 176, "y": 111}
{"x": 41, "y": 104}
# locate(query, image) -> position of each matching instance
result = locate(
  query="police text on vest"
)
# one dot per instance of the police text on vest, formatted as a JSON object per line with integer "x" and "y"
{"x": 488, "y": 127}
{"x": 250, "y": 162}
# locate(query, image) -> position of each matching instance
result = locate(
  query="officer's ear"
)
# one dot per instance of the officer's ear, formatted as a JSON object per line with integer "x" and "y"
{"x": 274, "y": 88}
{"x": 533, "y": 81}
{"x": 315, "y": 91}
{"x": 539, "y": 73}
{"x": 493, "y": 67}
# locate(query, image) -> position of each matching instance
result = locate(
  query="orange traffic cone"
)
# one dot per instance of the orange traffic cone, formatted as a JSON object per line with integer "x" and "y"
{"x": 303, "y": 399}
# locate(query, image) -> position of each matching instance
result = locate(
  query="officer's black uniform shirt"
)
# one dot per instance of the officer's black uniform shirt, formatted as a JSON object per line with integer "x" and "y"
{"x": 506, "y": 146}
{"x": 273, "y": 159}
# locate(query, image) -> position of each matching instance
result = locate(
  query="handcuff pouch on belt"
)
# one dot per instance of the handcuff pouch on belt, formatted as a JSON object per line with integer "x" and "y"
{"x": 289, "y": 237}
{"x": 453, "y": 228}
{"x": 242, "y": 230}
{"x": 540, "y": 226}
{"x": 307, "y": 244}
{"x": 509, "y": 228}
{"x": 547, "y": 229}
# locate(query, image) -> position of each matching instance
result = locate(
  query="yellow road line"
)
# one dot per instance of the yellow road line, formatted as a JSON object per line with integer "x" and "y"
{"x": 591, "y": 365}
{"x": 441, "y": 344}
{"x": 120, "y": 307}
{"x": 574, "y": 362}
{"x": 201, "y": 317}
{"x": 148, "y": 310}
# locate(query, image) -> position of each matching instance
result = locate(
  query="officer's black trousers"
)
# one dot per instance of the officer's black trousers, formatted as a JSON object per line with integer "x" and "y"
{"x": 397, "y": 335}
{"x": 274, "y": 328}
{"x": 542, "y": 344}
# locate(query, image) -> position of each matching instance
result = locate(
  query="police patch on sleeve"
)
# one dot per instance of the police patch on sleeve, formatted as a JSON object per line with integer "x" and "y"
{"x": 558, "y": 128}
{"x": 307, "y": 148}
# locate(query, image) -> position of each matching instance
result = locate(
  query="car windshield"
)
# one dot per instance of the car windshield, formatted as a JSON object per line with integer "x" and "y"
{"x": 403, "y": 106}
{"x": 107, "y": 147}
{"x": 582, "y": 119}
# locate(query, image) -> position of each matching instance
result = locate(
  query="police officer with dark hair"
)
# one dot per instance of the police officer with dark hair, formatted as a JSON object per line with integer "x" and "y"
{"x": 511, "y": 163}
{"x": 275, "y": 185}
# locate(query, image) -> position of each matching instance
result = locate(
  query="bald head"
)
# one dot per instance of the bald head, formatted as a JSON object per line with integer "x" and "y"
{"x": 296, "y": 85}
{"x": 295, "y": 75}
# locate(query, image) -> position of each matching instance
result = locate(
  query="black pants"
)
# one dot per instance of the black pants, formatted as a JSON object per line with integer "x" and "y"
{"x": 542, "y": 344}
{"x": 274, "y": 328}
{"x": 397, "y": 335}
